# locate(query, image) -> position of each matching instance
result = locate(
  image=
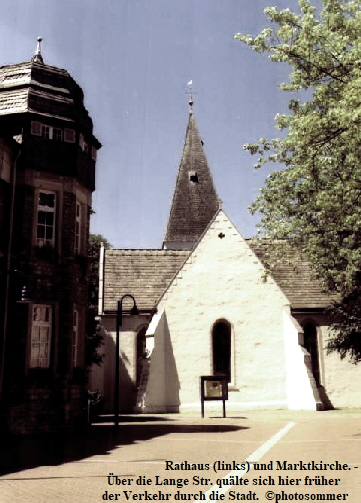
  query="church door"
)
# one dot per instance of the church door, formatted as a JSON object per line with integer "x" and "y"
{"x": 141, "y": 352}
{"x": 310, "y": 343}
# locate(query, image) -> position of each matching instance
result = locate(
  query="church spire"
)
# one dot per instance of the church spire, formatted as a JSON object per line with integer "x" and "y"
{"x": 195, "y": 200}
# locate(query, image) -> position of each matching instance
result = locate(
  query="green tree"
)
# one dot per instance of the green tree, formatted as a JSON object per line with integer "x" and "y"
{"x": 95, "y": 335}
{"x": 314, "y": 202}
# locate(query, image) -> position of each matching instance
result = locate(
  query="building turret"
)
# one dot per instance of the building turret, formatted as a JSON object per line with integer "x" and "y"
{"x": 46, "y": 184}
{"x": 44, "y": 106}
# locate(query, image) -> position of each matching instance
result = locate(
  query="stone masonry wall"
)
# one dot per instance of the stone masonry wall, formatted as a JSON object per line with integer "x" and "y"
{"x": 58, "y": 277}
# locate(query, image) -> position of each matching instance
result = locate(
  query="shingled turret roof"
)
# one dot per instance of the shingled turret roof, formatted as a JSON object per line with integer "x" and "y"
{"x": 195, "y": 200}
{"x": 43, "y": 92}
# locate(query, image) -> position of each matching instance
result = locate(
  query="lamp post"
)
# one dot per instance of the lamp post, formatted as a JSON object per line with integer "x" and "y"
{"x": 22, "y": 296}
{"x": 8, "y": 269}
{"x": 133, "y": 311}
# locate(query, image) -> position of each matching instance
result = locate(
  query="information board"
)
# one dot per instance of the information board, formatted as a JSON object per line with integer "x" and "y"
{"x": 214, "y": 388}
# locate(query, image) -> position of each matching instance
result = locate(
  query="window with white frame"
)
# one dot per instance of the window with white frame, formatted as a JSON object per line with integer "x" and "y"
{"x": 83, "y": 144}
{"x": 45, "y": 225}
{"x": 46, "y": 131}
{"x": 78, "y": 220}
{"x": 41, "y": 332}
{"x": 75, "y": 337}
{"x": 52, "y": 133}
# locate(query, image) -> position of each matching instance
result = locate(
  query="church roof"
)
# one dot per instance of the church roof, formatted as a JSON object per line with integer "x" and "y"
{"x": 147, "y": 273}
{"x": 195, "y": 200}
{"x": 143, "y": 273}
{"x": 294, "y": 276}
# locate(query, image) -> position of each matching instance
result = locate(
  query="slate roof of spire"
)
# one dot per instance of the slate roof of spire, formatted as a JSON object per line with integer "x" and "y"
{"x": 195, "y": 200}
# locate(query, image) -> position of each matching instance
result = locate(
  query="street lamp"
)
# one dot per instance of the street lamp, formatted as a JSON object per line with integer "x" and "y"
{"x": 133, "y": 311}
{"x": 12, "y": 293}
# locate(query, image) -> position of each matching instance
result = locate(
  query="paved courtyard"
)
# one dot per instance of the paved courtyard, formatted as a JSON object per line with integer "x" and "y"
{"x": 249, "y": 456}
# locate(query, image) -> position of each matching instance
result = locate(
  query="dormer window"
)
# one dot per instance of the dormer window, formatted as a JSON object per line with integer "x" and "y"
{"x": 193, "y": 176}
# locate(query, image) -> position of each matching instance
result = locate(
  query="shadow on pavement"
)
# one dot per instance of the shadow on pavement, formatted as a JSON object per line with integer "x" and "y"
{"x": 24, "y": 452}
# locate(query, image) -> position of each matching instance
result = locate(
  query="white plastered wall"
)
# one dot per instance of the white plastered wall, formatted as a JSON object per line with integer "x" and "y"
{"x": 301, "y": 388}
{"x": 222, "y": 279}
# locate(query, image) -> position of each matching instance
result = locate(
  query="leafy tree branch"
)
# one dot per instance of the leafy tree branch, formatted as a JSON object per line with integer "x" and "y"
{"x": 312, "y": 202}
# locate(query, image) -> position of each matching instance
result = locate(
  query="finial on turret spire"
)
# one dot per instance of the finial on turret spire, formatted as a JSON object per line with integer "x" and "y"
{"x": 190, "y": 92}
{"x": 38, "y": 58}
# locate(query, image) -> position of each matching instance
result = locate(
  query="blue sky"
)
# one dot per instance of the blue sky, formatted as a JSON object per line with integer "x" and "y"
{"x": 133, "y": 59}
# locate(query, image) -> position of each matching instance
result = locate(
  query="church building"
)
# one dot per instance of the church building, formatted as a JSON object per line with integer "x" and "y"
{"x": 205, "y": 306}
{"x": 47, "y": 176}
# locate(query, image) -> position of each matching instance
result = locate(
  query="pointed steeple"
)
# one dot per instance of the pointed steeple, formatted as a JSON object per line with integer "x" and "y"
{"x": 195, "y": 199}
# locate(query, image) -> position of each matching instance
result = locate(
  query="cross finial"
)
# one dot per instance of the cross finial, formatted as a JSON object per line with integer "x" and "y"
{"x": 38, "y": 58}
{"x": 190, "y": 93}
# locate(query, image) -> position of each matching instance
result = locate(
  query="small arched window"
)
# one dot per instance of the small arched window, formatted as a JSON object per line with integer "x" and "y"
{"x": 221, "y": 349}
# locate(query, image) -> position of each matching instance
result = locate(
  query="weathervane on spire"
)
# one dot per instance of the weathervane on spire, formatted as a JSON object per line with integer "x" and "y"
{"x": 38, "y": 58}
{"x": 190, "y": 92}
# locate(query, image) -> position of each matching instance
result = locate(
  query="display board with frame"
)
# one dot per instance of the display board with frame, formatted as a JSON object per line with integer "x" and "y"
{"x": 214, "y": 388}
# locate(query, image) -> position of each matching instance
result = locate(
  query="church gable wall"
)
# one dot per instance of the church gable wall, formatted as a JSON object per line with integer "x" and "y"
{"x": 222, "y": 280}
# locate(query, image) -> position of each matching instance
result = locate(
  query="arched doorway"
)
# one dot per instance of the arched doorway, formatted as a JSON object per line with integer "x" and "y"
{"x": 221, "y": 348}
{"x": 311, "y": 344}
{"x": 141, "y": 352}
